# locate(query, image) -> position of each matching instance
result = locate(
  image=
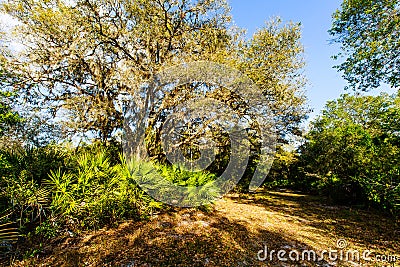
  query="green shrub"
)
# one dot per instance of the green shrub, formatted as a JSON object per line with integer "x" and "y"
{"x": 97, "y": 193}
{"x": 34, "y": 162}
{"x": 22, "y": 172}
{"x": 200, "y": 185}
{"x": 352, "y": 152}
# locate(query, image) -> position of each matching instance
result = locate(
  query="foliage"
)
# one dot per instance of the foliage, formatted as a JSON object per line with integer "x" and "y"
{"x": 87, "y": 71}
{"x": 8, "y": 117}
{"x": 105, "y": 50}
{"x": 275, "y": 47}
{"x": 352, "y": 151}
{"x": 52, "y": 188}
{"x": 34, "y": 162}
{"x": 281, "y": 170}
{"x": 273, "y": 59}
{"x": 22, "y": 172}
{"x": 192, "y": 180}
{"x": 368, "y": 31}
{"x": 96, "y": 193}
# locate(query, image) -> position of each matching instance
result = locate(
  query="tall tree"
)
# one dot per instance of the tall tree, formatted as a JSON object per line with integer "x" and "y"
{"x": 369, "y": 34}
{"x": 273, "y": 60}
{"x": 88, "y": 58}
{"x": 84, "y": 56}
{"x": 355, "y": 146}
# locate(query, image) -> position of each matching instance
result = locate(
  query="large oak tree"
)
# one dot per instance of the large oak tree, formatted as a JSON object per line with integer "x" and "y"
{"x": 85, "y": 59}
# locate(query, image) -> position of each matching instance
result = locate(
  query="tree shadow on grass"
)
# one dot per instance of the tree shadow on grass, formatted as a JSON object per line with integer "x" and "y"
{"x": 185, "y": 238}
{"x": 366, "y": 228}
{"x": 231, "y": 235}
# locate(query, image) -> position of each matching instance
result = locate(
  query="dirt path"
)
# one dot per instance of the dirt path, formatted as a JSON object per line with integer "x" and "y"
{"x": 231, "y": 235}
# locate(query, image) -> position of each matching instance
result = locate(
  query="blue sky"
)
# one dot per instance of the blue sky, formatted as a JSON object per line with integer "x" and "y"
{"x": 325, "y": 83}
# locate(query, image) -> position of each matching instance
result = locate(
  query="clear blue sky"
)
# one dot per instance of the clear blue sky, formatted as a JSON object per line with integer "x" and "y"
{"x": 316, "y": 17}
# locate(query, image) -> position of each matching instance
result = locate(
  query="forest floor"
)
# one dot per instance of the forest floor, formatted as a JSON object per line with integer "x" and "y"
{"x": 233, "y": 234}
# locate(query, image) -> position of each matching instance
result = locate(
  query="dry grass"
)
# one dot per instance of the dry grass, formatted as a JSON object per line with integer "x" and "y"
{"x": 230, "y": 235}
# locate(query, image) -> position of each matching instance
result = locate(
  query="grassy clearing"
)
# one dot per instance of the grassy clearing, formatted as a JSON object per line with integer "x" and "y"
{"x": 229, "y": 235}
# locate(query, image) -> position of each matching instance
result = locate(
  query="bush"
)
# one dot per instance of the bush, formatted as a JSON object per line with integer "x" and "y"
{"x": 33, "y": 162}
{"x": 22, "y": 170}
{"x": 352, "y": 152}
{"x": 53, "y": 188}
{"x": 201, "y": 186}
{"x": 97, "y": 193}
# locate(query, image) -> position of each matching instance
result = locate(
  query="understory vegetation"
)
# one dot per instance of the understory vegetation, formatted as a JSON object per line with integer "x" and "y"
{"x": 347, "y": 156}
{"x": 350, "y": 154}
{"x": 57, "y": 188}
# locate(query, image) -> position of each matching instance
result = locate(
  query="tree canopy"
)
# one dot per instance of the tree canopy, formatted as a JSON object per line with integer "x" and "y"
{"x": 87, "y": 58}
{"x": 368, "y": 31}
{"x": 353, "y": 149}
{"x": 8, "y": 117}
